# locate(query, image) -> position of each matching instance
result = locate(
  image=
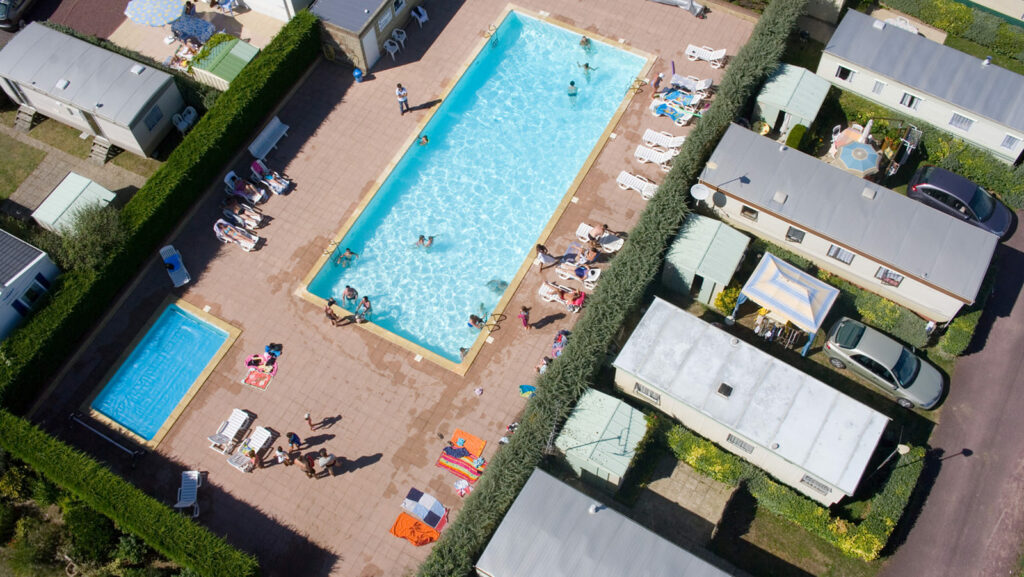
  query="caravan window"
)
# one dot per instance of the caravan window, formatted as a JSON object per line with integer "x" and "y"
{"x": 844, "y": 73}
{"x": 153, "y": 117}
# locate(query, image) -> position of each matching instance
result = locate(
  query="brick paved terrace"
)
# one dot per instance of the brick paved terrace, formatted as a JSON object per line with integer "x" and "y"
{"x": 394, "y": 411}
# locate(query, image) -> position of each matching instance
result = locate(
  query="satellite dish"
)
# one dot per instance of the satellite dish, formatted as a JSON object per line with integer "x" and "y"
{"x": 700, "y": 192}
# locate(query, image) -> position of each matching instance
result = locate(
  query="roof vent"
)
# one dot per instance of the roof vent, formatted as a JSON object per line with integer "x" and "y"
{"x": 987, "y": 61}
{"x": 780, "y": 197}
{"x": 869, "y": 193}
{"x": 879, "y": 25}
{"x": 711, "y": 165}
{"x": 63, "y": 83}
{"x": 733, "y": 341}
{"x": 724, "y": 390}
{"x": 137, "y": 69}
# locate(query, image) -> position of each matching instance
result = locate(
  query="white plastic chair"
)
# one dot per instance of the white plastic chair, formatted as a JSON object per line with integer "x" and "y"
{"x": 662, "y": 158}
{"x": 420, "y": 14}
{"x": 392, "y": 48}
{"x": 663, "y": 139}
{"x": 398, "y": 35}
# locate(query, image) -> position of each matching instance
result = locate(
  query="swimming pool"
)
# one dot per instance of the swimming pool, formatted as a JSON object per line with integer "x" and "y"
{"x": 165, "y": 366}
{"x": 504, "y": 148}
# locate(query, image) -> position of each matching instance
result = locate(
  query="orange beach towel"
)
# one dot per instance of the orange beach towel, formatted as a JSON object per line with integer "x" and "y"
{"x": 475, "y": 445}
{"x": 413, "y": 530}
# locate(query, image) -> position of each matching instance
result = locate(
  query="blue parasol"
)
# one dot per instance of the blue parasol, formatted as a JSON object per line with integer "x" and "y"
{"x": 153, "y": 12}
{"x": 859, "y": 158}
{"x": 192, "y": 27}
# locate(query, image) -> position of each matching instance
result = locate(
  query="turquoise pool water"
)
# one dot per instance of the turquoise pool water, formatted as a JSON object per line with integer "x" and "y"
{"x": 503, "y": 149}
{"x": 159, "y": 371}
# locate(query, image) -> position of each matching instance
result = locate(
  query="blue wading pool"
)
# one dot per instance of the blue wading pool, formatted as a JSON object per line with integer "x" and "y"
{"x": 159, "y": 372}
{"x": 504, "y": 148}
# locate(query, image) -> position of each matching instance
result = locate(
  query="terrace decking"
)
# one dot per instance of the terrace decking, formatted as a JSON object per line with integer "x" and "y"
{"x": 395, "y": 412}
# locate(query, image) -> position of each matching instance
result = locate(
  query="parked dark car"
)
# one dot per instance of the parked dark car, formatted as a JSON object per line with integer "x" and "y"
{"x": 12, "y": 12}
{"x": 958, "y": 196}
{"x": 885, "y": 363}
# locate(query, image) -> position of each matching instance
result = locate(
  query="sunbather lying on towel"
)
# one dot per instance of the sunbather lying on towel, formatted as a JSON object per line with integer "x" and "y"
{"x": 272, "y": 178}
{"x": 243, "y": 214}
{"x": 247, "y": 191}
{"x": 227, "y": 232}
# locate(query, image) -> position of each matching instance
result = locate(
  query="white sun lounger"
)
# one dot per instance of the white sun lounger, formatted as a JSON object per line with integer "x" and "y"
{"x": 567, "y": 271}
{"x": 692, "y": 84}
{"x": 609, "y": 242}
{"x": 663, "y": 139}
{"x": 549, "y": 292}
{"x": 628, "y": 181}
{"x": 226, "y": 437}
{"x": 662, "y": 158}
{"x": 258, "y": 441}
{"x": 188, "y": 493}
{"x": 716, "y": 58}
{"x": 175, "y": 267}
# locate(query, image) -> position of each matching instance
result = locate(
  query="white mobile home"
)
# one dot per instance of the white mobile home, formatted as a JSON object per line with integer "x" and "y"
{"x": 26, "y": 274}
{"x": 801, "y": 431}
{"x": 553, "y": 530}
{"x": 969, "y": 98}
{"x": 117, "y": 100}
{"x": 896, "y": 247}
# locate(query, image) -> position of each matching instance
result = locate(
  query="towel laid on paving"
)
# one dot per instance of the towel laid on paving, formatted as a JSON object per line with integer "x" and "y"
{"x": 426, "y": 508}
{"x": 475, "y": 445}
{"x": 461, "y": 467}
{"x": 413, "y": 530}
{"x": 262, "y": 368}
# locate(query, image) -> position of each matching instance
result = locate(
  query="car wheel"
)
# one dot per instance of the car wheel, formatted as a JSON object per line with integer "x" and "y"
{"x": 836, "y": 363}
{"x": 905, "y": 403}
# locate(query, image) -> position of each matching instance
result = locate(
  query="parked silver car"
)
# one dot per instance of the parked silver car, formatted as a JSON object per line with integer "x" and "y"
{"x": 12, "y": 13}
{"x": 885, "y": 363}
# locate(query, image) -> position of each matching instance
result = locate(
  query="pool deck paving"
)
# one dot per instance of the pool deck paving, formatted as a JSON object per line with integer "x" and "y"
{"x": 389, "y": 414}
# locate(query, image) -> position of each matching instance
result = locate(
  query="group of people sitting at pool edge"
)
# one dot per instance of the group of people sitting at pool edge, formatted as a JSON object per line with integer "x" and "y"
{"x": 241, "y": 217}
{"x": 349, "y": 298}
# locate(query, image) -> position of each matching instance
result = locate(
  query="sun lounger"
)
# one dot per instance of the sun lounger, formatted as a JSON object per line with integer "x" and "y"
{"x": 689, "y": 5}
{"x": 716, "y": 58}
{"x": 553, "y": 292}
{"x": 678, "y": 115}
{"x": 663, "y": 139}
{"x": 235, "y": 185}
{"x": 609, "y": 242}
{"x": 680, "y": 99}
{"x": 230, "y": 431}
{"x": 646, "y": 188}
{"x": 254, "y": 445}
{"x": 588, "y": 276}
{"x": 228, "y": 233}
{"x": 175, "y": 268}
{"x": 662, "y": 158}
{"x": 188, "y": 493}
{"x": 693, "y": 84}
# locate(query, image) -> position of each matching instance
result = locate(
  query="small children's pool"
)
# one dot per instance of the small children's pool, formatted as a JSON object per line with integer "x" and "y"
{"x": 504, "y": 149}
{"x": 165, "y": 366}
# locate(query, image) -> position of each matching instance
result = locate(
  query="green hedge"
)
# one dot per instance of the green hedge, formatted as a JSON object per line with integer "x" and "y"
{"x": 620, "y": 293}
{"x": 80, "y": 298}
{"x": 864, "y": 540}
{"x": 966, "y": 22}
{"x": 174, "y": 535}
{"x": 795, "y": 140}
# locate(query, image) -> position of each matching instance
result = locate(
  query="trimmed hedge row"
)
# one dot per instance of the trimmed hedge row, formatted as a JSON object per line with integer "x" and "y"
{"x": 170, "y": 533}
{"x": 864, "y": 540}
{"x": 966, "y": 22}
{"x": 621, "y": 291}
{"x": 81, "y": 297}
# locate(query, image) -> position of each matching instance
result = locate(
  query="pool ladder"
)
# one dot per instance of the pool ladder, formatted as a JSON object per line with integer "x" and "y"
{"x": 637, "y": 86}
{"x": 490, "y": 33}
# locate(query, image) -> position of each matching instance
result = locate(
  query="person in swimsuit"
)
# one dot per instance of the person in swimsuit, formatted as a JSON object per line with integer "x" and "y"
{"x": 475, "y": 322}
{"x": 345, "y": 258}
{"x": 363, "y": 310}
{"x": 349, "y": 296}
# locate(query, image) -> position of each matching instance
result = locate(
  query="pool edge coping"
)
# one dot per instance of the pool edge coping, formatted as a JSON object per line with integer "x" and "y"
{"x": 461, "y": 368}
{"x": 186, "y": 399}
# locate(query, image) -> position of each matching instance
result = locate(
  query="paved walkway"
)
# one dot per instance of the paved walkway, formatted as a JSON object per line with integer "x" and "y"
{"x": 972, "y": 524}
{"x": 52, "y": 170}
{"x": 681, "y": 504}
{"x": 389, "y": 413}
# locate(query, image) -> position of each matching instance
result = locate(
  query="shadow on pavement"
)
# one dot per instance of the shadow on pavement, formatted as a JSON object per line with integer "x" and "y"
{"x": 1009, "y": 279}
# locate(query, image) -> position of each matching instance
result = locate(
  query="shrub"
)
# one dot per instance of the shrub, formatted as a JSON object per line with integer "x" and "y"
{"x": 706, "y": 457}
{"x": 948, "y": 15}
{"x": 131, "y": 550}
{"x": 173, "y": 535}
{"x": 34, "y": 546}
{"x": 8, "y": 518}
{"x": 795, "y": 139}
{"x": 92, "y": 535}
{"x": 983, "y": 28}
{"x": 725, "y": 301}
{"x": 960, "y": 333}
{"x": 1009, "y": 40}
{"x": 16, "y": 483}
{"x": 44, "y": 492}
{"x": 97, "y": 233}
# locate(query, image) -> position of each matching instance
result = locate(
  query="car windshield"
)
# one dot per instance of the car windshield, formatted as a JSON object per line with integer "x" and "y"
{"x": 982, "y": 204}
{"x": 849, "y": 334}
{"x": 906, "y": 368}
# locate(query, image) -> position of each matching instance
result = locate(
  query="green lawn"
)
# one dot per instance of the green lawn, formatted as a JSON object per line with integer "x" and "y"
{"x": 19, "y": 162}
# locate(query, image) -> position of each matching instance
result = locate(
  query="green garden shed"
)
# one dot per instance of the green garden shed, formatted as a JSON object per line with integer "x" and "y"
{"x": 223, "y": 63}
{"x": 60, "y": 209}
{"x": 791, "y": 96}
{"x": 600, "y": 437}
{"x": 703, "y": 257}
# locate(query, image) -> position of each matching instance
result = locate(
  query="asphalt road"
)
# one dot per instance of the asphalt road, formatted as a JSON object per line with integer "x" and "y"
{"x": 972, "y": 523}
{"x": 96, "y": 17}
